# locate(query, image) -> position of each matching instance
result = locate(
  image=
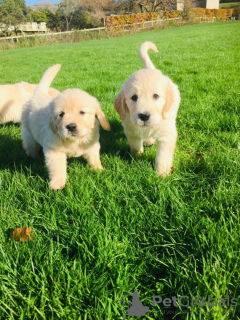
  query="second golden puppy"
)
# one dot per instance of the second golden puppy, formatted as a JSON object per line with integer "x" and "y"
{"x": 147, "y": 104}
{"x": 65, "y": 126}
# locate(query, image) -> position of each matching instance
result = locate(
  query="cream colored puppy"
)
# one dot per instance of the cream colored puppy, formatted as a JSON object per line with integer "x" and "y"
{"x": 147, "y": 104}
{"x": 13, "y": 97}
{"x": 65, "y": 126}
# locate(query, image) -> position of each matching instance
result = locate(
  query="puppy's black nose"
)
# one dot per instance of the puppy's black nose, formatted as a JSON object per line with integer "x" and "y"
{"x": 144, "y": 116}
{"x": 71, "y": 127}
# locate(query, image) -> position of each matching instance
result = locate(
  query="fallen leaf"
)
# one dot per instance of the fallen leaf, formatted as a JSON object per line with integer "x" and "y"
{"x": 22, "y": 234}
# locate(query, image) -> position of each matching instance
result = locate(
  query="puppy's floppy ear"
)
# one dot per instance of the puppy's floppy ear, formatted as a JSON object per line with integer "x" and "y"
{"x": 169, "y": 99}
{"x": 102, "y": 118}
{"x": 120, "y": 105}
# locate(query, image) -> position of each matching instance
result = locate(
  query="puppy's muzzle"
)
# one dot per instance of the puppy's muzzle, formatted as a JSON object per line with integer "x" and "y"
{"x": 72, "y": 127}
{"x": 144, "y": 116}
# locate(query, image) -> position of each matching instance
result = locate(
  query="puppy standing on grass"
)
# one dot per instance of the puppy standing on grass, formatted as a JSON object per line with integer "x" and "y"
{"x": 63, "y": 126}
{"x": 147, "y": 104}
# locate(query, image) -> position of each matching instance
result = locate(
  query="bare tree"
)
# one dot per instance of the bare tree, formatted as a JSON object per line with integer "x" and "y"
{"x": 96, "y": 5}
{"x": 122, "y": 6}
{"x": 145, "y": 5}
{"x": 67, "y": 8}
{"x": 97, "y": 8}
{"x": 187, "y": 12}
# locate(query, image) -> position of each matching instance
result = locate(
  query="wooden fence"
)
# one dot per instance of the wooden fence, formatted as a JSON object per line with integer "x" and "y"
{"x": 15, "y": 38}
{"x": 125, "y": 28}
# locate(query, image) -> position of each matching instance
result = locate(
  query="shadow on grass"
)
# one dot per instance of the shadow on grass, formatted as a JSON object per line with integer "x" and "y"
{"x": 13, "y": 157}
{"x": 115, "y": 143}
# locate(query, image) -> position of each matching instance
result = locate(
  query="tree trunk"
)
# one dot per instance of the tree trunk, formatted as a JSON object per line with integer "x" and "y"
{"x": 67, "y": 24}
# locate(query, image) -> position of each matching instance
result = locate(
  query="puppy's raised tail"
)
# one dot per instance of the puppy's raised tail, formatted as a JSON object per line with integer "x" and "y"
{"x": 143, "y": 53}
{"x": 47, "y": 79}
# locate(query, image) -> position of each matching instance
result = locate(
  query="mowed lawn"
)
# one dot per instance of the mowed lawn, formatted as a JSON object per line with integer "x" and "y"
{"x": 229, "y": 5}
{"x": 106, "y": 235}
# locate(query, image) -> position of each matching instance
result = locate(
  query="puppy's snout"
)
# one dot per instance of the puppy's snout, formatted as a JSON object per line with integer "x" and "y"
{"x": 144, "y": 116}
{"x": 71, "y": 127}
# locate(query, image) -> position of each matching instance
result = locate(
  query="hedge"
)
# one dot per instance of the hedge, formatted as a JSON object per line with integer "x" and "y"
{"x": 130, "y": 19}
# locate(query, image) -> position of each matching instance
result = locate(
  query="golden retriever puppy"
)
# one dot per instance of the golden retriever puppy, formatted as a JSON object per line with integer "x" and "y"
{"x": 147, "y": 104}
{"x": 13, "y": 97}
{"x": 65, "y": 126}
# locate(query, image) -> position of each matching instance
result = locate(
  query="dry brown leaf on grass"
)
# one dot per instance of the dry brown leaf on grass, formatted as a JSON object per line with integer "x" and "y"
{"x": 22, "y": 234}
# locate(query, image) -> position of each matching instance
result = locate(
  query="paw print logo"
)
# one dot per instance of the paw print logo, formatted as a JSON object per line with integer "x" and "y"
{"x": 136, "y": 309}
{"x": 201, "y": 301}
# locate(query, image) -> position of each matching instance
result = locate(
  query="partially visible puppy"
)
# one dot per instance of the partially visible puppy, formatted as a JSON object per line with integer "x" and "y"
{"x": 13, "y": 97}
{"x": 66, "y": 126}
{"x": 147, "y": 104}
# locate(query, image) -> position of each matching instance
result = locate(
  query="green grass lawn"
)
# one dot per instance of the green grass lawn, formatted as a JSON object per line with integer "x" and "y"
{"x": 228, "y": 5}
{"x": 106, "y": 235}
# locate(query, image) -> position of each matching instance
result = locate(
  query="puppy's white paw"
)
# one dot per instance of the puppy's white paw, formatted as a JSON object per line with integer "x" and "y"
{"x": 98, "y": 167}
{"x": 57, "y": 183}
{"x": 149, "y": 142}
{"x": 163, "y": 172}
{"x": 137, "y": 152}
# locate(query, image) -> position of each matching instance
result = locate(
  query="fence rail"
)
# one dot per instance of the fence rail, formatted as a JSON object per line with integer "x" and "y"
{"x": 125, "y": 28}
{"x": 50, "y": 33}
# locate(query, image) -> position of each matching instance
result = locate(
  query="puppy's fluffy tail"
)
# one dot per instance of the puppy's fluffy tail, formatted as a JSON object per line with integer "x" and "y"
{"x": 143, "y": 53}
{"x": 47, "y": 79}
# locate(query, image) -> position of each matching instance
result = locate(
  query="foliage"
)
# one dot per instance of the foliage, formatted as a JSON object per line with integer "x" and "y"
{"x": 93, "y": 6}
{"x": 66, "y": 10}
{"x": 82, "y": 20}
{"x": 205, "y": 14}
{"x": 122, "y": 20}
{"x": 186, "y": 12}
{"x": 236, "y": 11}
{"x": 12, "y": 12}
{"x": 136, "y": 6}
{"x": 209, "y": 14}
{"x": 171, "y": 14}
{"x": 131, "y": 19}
{"x": 74, "y": 14}
{"x": 44, "y": 15}
{"x": 153, "y": 5}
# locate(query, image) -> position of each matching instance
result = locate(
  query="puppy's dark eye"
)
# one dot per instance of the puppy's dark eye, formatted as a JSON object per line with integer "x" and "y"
{"x": 155, "y": 96}
{"x": 82, "y": 112}
{"x": 61, "y": 114}
{"x": 134, "y": 97}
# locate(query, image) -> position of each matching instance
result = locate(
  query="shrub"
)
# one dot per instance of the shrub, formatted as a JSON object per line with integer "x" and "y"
{"x": 236, "y": 12}
{"x": 116, "y": 23}
{"x": 209, "y": 14}
{"x": 121, "y": 20}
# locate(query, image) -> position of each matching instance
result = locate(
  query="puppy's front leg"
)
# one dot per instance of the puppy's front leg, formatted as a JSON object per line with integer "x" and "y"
{"x": 136, "y": 145}
{"x": 93, "y": 157}
{"x": 57, "y": 168}
{"x": 165, "y": 152}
